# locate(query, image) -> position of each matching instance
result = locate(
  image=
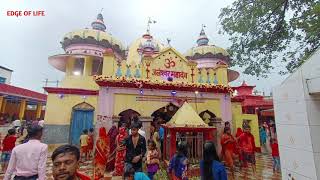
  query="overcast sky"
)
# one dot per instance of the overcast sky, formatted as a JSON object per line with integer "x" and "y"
{"x": 26, "y": 42}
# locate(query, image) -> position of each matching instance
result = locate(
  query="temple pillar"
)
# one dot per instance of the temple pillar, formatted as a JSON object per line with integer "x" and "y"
{"x": 164, "y": 147}
{"x": 105, "y": 108}
{"x": 173, "y": 141}
{"x": 2, "y": 100}
{"x": 69, "y": 66}
{"x": 22, "y": 108}
{"x": 3, "y": 105}
{"x": 87, "y": 66}
{"x": 38, "y": 110}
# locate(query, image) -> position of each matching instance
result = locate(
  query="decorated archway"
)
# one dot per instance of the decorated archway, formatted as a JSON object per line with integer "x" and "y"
{"x": 126, "y": 116}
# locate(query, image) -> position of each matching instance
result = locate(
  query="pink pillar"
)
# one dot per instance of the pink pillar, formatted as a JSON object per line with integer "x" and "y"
{"x": 226, "y": 112}
{"x": 105, "y": 108}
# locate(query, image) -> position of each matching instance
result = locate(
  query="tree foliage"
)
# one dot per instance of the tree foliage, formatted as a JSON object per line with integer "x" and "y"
{"x": 265, "y": 33}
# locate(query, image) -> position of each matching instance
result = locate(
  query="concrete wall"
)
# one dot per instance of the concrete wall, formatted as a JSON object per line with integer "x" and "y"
{"x": 6, "y": 74}
{"x": 297, "y": 119}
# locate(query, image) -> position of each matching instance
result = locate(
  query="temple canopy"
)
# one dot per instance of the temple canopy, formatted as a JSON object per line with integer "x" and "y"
{"x": 186, "y": 116}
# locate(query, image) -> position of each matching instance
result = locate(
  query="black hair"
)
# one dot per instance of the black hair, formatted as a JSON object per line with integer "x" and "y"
{"x": 209, "y": 155}
{"x": 135, "y": 125}
{"x": 153, "y": 144}
{"x": 91, "y": 129}
{"x": 66, "y": 149}
{"x": 226, "y": 123}
{"x": 34, "y": 130}
{"x": 226, "y": 129}
{"x": 182, "y": 151}
{"x": 85, "y": 131}
{"x": 129, "y": 173}
{"x": 11, "y": 132}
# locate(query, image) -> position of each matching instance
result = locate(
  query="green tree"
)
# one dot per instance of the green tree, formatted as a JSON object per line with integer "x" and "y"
{"x": 268, "y": 32}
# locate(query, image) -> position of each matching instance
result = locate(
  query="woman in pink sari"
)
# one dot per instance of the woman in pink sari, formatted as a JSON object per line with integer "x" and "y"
{"x": 121, "y": 152}
{"x": 101, "y": 154}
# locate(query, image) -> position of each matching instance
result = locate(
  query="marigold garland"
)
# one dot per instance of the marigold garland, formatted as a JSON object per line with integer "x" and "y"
{"x": 103, "y": 80}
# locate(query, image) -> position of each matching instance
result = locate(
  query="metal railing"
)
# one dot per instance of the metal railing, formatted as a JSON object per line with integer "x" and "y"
{"x": 195, "y": 143}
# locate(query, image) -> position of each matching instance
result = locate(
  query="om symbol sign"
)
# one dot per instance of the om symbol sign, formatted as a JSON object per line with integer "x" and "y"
{"x": 169, "y": 63}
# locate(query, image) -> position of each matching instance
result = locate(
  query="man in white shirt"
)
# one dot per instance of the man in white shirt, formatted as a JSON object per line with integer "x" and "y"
{"x": 28, "y": 160}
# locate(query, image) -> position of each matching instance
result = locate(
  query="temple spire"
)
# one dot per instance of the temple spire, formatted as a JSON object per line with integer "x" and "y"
{"x": 98, "y": 24}
{"x": 203, "y": 39}
{"x": 148, "y": 24}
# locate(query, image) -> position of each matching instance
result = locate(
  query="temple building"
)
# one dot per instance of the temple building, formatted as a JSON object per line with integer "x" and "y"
{"x": 17, "y": 102}
{"x": 254, "y": 104}
{"x": 105, "y": 81}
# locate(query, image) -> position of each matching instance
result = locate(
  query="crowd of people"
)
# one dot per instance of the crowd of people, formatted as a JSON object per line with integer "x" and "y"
{"x": 28, "y": 160}
{"x": 127, "y": 151}
{"x": 242, "y": 147}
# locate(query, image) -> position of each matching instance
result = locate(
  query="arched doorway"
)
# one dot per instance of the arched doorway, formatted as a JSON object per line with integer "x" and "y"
{"x": 166, "y": 112}
{"x": 126, "y": 116}
{"x": 82, "y": 118}
{"x": 207, "y": 116}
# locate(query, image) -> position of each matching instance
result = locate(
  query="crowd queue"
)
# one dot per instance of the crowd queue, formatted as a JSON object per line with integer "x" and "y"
{"x": 127, "y": 152}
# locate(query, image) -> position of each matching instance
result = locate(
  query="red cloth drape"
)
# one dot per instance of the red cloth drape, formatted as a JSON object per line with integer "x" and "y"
{"x": 101, "y": 154}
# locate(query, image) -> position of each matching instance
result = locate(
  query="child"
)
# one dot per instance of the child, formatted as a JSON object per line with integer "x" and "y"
{"x": 84, "y": 144}
{"x": 90, "y": 142}
{"x": 152, "y": 159}
{"x": 8, "y": 144}
{"x": 132, "y": 175}
{"x": 275, "y": 156}
{"x": 178, "y": 165}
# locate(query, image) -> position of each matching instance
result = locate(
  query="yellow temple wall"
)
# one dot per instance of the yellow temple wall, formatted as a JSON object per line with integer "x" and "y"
{"x": 123, "y": 102}
{"x": 238, "y": 118}
{"x": 58, "y": 110}
{"x": 162, "y": 62}
{"x": 222, "y": 75}
{"x": 79, "y": 82}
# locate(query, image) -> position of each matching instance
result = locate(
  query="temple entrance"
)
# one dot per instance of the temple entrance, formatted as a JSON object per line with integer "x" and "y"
{"x": 127, "y": 116}
{"x": 166, "y": 112}
{"x": 82, "y": 118}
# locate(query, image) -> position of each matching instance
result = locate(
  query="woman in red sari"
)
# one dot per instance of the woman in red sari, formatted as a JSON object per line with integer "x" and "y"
{"x": 101, "y": 154}
{"x": 112, "y": 135}
{"x": 121, "y": 151}
{"x": 228, "y": 146}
